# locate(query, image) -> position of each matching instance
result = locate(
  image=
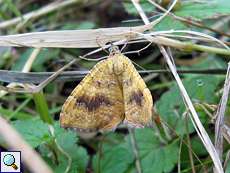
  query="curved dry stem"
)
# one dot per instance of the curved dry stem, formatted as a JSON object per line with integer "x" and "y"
{"x": 193, "y": 33}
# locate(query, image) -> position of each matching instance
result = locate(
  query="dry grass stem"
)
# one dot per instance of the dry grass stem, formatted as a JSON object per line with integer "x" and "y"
{"x": 89, "y": 38}
{"x": 189, "y": 143}
{"x": 220, "y": 115}
{"x": 56, "y": 5}
{"x": 226, "y": 133}
{"x": 38, "y": 77}
{"x": 194, "y": 116}
{"x": 25, "y": 69}
{"x": 99, "y": 38}
{"x": 201, "y": 35}
{"x": 227, "y": 158}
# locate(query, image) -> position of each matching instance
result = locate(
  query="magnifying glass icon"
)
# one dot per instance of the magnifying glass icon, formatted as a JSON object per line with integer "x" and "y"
{"x": 9, "y": 160}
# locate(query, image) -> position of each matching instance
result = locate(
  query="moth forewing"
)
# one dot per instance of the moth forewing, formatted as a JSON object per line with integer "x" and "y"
{"x": 111, "y": 93}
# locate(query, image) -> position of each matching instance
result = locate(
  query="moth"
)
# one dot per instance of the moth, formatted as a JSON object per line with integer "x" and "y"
{"x": 112, "y": 93}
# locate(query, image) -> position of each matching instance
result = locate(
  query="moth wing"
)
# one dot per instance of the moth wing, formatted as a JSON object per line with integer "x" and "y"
{"x": 97, "y": 102}
{"x": 138, "y": 101}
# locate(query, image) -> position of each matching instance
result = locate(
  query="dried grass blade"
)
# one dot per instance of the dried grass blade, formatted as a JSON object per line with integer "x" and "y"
{"x": 220, "y": 115}
{"x": 193, "y": 114}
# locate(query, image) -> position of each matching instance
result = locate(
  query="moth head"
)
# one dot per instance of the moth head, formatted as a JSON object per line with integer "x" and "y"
{"x": 118, "y": 64}
{"x": 114, "y": 49}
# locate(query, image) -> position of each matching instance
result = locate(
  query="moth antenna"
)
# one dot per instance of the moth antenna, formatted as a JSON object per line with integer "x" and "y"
{"x": 124, "y": 46}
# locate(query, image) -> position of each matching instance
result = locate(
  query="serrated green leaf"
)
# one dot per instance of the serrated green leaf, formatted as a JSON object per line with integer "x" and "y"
{"x": 68, "y": 142}
{"x": 171, "y": 106}
{"x": 79, "y": 162}
{"x": 204, "y": 9}
{"x": 117, "y": 158}
{"x": 34, "y": 131}
{"x": 155, "y": 155}
{"x": 115, "y": 154}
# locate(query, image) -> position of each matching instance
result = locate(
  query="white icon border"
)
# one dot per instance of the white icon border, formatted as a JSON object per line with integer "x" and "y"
{"x": 12, "y": 153}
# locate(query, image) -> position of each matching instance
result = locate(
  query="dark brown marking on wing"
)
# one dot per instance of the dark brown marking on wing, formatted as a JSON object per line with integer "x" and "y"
{"x": 92, "y": 103}
{"x": 111, "y": 84}
{"x": 99, "y": 83}
{"x": 137, "y": 96}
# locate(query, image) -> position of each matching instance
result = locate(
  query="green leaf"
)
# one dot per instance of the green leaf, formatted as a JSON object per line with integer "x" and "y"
{"x": 19, "y": 64}
{"x": 169, "y": 23}
{"x": 228, "y": 167}
{"x": 118, "y": 154}
{"x": 44, "y": 56}
{"x": 147, "y": 7}
{"x": 12, "y": 7}
{"x": 38, "y": 65}
{"x": 68, "y": 142}
{"x": 5, "y": 56}
{"x": 34, "y": 131}
{"x": 171, "y": 106}
{"x": 112, "y": 160}
{"x": 204, "y": 9}
{"x": 20, "y": 115}
{"x": 186, "y": 9}
{"x": 114, "y": 155}
{"x": 210, "y": 62}
{"x": 154, "y": 154}
{"x": 198, "y": 147}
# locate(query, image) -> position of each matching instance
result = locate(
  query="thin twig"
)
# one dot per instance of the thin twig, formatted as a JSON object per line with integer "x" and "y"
{"x": 179, "y": 156}
{"x": 189, "y": 144}
{"x": 195, "y": 118}
{"x": 68, "y": 166}
{"x": 26, "y": 68}
{"x": 30, "y": 88}
{"x": 135, "y": 150}
{"x": 38, "y": 77}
